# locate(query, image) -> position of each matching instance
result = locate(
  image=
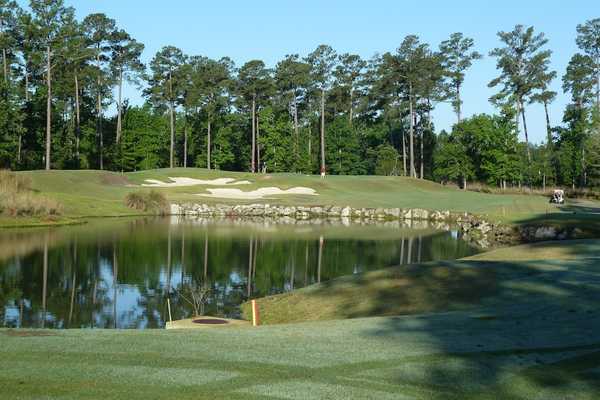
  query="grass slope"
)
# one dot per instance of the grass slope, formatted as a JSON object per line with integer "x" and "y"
{"x": 533, "y": 335}
{"x": 100, "y": 193}
{"x": 431, "y": 287}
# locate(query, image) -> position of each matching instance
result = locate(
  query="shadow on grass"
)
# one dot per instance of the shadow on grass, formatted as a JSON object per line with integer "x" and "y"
{"x": 532, "y": 333}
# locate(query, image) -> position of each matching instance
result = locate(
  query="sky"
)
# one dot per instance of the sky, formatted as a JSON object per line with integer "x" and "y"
{"x": 270, "y": 29}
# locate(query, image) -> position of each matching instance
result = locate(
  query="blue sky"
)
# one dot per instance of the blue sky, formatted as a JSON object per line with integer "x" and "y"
{"x": 269, "y": 29}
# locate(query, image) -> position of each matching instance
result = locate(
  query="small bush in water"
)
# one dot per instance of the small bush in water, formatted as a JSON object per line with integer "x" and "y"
{"x": 147, "y": 201}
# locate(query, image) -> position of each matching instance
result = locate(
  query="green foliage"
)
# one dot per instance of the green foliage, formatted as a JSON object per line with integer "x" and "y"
{"x": 371, "y": 108}
{"x": 387, "y": 161}
{"x": 144, "y": 139}
{"x": 482, "y": 148}
{"x": 11, "y": 127}
{"x": 275, "y": 141}
{"x": 451, "y": 161}
{"x": 344, "y": 148}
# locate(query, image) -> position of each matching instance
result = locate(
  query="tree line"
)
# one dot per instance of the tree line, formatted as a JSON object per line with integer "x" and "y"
{"x": 322, "y": 111}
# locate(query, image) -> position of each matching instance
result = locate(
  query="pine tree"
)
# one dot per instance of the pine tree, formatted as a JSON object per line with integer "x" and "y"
{"x": 519, "y": 62}
{"x": 165, "y": 86}
{"x": 48, "y": 17}
{"x": 457, "y": 57}
{"x": 322, "y": 61}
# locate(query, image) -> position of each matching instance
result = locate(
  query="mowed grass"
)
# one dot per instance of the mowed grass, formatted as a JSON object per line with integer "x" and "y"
{"x": 100, "y": 193}
{"x": 428, "y": 287}
{"x": 531, "y": 334}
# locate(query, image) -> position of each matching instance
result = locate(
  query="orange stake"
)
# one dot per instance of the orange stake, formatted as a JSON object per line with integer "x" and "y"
{"x": 255, "y": 314}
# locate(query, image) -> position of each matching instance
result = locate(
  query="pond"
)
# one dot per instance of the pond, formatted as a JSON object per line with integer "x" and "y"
{"x": 119, "y": 273}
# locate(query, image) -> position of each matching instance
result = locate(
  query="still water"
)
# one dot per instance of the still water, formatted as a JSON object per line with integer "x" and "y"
{"x": 118, "y": 273}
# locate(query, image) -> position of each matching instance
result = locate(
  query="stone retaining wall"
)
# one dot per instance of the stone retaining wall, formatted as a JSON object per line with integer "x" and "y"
{"x": 471, "y": 227}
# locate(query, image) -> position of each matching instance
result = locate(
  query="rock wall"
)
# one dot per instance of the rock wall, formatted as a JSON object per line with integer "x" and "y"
{"x": 306, "y": 213}
{"x": 471, "y": 227}
{"x": 474, "y": 228}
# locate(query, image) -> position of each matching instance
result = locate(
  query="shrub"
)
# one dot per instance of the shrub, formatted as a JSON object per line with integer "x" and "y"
{"x": 18, "y": 200}
{"x": 152, "y": 201}
{"x": 12, "y": 183}
{"x": 28, "y": 205}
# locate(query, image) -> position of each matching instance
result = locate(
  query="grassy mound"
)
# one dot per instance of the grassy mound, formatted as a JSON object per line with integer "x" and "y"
{"x": 419, "y": 288}
{"x": 101, "y": 193}
{"x": 77, "y": 188}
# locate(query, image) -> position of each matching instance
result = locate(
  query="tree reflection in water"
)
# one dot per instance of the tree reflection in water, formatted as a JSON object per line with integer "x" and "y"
{"x": 120, "y": 273}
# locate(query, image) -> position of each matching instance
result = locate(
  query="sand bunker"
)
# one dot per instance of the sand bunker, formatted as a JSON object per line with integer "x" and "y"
{"x": 179, "y": 182}
{"x": 258, "y": 193}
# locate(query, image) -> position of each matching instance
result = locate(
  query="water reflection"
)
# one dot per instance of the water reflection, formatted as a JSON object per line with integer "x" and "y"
{"x": 119, "y": 273}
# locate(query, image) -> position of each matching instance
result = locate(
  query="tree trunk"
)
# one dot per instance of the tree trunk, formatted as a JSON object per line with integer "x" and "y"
{"x": 295, "y": 127}
{"x": 257, "y": 143}
{"x": 208, "y": 146}
{"x": 19, "y": 147}
{"x": 583, "y": 167}
{"x": 120, "y": 107}
{"x": 77, "y": 119}
{"x": 423, "y": 138}
{"x": 464, "y": 182}
{"x": 517, "y": 117}
{"x": 544, "y": 182}
{"x": 548, "y": 127}
{"x": 598, "y": 90}
{"x": 404, "y": 151}
{"x": 309, "y": 147}
{"x": 458, "y": 103}
{"x": 323, "y": 167}
{"x": 549, "y": 144}
{"x": 422, "y": 146}
{"x": 185, "y": 144}
{"x": 26, "y": 83}
{"x": 48, "y": 106}
{"x": 413, "y": 172}
{"x": 99, "y": 115}
{"x": 422, "y": 162}
{"x": 253, "y": 166}
{"x": 351, "y": 104}
{"x": 526, "y": 134}
{"x": 172, "y": 123}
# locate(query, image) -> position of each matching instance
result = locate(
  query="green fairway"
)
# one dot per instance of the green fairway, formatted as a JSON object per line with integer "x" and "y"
{"x": 98, "y": 193}
{"x": 530, "y": 332}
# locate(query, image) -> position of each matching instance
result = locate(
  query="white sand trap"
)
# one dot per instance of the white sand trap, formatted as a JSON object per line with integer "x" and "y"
{"x": 258, "y": 193}
{"x": 179, "y": 182}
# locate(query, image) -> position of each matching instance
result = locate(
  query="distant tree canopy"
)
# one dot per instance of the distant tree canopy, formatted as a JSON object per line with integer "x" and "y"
{"x": 323, "y": 111}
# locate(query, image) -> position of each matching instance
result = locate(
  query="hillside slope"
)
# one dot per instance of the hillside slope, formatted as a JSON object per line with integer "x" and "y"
{"x": 101, "y": 193}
